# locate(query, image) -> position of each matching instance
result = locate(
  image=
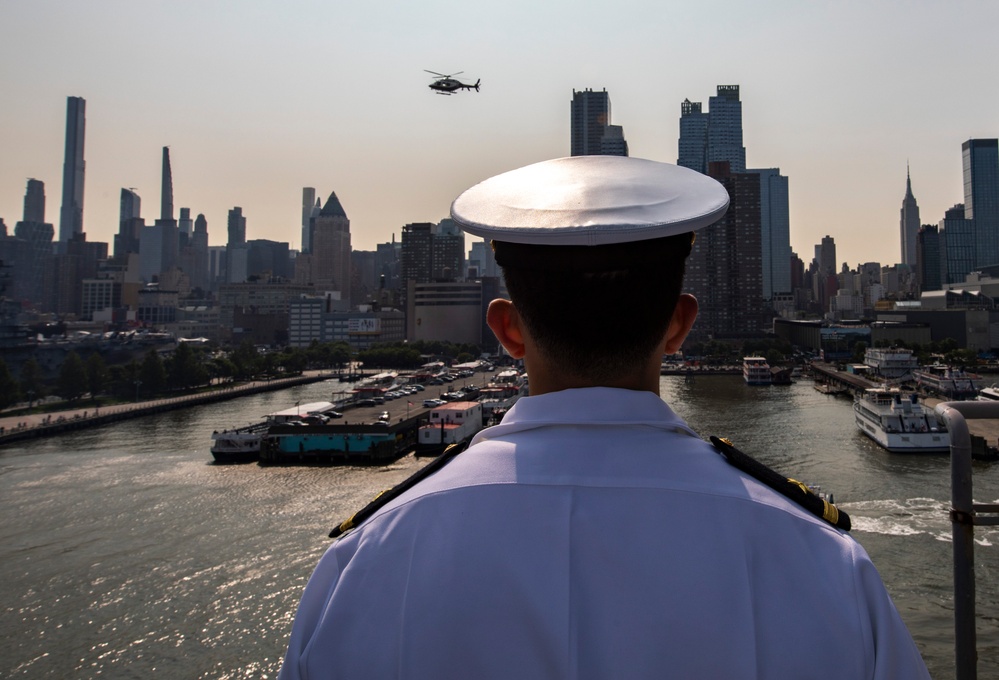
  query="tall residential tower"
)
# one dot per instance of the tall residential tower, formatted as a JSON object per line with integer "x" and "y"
{"x": 713, "y": 136}
{"x": 73, "y": 167}
{"x": 591, "y": 132}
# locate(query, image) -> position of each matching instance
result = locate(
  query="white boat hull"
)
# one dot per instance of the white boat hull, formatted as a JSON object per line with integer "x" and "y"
{"x": 903, "y": 442}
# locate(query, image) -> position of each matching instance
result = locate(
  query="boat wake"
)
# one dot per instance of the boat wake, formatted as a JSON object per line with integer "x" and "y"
{"x": 911, "y": 517}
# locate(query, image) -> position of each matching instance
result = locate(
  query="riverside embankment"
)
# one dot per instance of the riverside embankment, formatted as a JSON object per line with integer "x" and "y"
{"x": 22, "y": 427}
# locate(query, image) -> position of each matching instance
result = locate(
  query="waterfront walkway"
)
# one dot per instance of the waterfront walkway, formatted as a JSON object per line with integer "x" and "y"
{"x": 29, "y": 426}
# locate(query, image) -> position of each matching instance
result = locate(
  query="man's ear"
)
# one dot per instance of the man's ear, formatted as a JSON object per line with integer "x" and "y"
{"x": 506, "y": 324}
{"x": 680, "y": 324}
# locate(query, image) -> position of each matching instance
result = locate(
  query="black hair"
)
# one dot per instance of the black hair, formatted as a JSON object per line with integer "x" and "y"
{"x": 591, "y": 322}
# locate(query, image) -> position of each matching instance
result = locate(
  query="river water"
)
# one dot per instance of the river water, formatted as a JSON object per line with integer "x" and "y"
{"x": 125, "y": 553}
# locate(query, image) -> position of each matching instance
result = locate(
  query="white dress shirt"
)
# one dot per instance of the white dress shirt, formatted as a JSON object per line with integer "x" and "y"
{"x": 593, "y": 534}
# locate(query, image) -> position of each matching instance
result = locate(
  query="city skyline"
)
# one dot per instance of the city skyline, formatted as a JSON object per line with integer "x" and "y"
{"x": 840, "y": 98}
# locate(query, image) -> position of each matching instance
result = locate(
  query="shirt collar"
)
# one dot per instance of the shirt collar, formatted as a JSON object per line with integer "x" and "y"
{"x": 588, "y": 406}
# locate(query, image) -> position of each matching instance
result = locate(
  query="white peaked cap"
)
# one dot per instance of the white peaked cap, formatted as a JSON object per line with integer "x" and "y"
{"x": 590, "y": 201}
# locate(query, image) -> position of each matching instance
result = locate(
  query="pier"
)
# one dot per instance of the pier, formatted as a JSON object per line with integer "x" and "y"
{"x": 830, "y": 375}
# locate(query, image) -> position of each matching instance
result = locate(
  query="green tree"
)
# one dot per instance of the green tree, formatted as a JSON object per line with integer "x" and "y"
{"x": 222, "y": 367}
{"x": 9, "y": 392}
{"x": 246, "y": 360}
{"x": 293, "y": 360}
{"x": 72, "y": 378}
{"x": 185, "y": 368}
{"x": 31, "y": 381}
{"x": 97, "y": 374}
{"x": 152, "y": 373}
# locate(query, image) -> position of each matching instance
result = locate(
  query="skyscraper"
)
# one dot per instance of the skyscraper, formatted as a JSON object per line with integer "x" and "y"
{"x": 130, "y": 224}
{"x": 235, "y": 247}
{"x": 73, "y": 167}
{"x": 959, "y": 244}
{"x": 928, "y": 264}
{"x": 693, "y": 145}
{"x": 308, "y": 202}
{"x": 166, "y": 190}
{"x": 331, "y": 248}
{"x": 417, "y": 254}
{"x": 590, "y": 114}
{"x": 909, "y": 223}
{"x": 980, "y": 161}
{"x": 185, "y": 225}
{"x": 825, "y": 255}
{"x": 31, "y": 250}
{"x": 775, "y": 234}
{"x": 236, "y": 227}
{"x": 449, "y": 251}
{"x": 130, "y": 205}
{"x": 725, "y": 128}
{"x": 714, "y": 136}
{"x": 724, "y": 270}
{"x": 199, "y": 246}
{"x": 824, "y": 284}
{"x": 34, "y": 201}
{"x": 613, "y": 142}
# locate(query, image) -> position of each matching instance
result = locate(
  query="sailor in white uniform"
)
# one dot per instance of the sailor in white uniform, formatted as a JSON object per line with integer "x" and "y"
{"x": 593, "y": 534}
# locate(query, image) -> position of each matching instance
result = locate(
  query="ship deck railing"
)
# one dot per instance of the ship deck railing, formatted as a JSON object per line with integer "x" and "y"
{"x": 965, "y": 514}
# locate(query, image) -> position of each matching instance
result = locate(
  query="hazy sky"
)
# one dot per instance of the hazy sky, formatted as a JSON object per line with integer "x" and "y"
{"x": 259, "y": 99}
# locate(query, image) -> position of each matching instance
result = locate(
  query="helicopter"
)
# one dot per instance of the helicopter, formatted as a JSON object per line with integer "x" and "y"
{"x": 448, "y": 84}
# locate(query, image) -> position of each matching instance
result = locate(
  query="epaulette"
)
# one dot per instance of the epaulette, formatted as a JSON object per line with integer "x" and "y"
{"x": 793, "y": 489}
{"x": 383, "y": 499}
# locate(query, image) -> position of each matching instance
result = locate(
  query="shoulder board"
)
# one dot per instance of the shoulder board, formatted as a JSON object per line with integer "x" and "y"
{"x": 383, "y": 499}
{"x": 793, "y": 489}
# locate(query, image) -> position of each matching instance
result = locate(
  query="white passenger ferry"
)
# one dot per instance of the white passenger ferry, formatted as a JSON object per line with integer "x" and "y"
{"x": 756, "y": 371}
{"x": 898, "y": 422}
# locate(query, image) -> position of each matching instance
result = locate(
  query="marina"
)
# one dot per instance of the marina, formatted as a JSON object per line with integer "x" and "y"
{"x": 137, "y": 554}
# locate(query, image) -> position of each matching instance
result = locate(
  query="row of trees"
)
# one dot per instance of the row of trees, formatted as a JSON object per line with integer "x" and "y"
{"x": 407, "y": 355}
{"x": 189, "y": 368}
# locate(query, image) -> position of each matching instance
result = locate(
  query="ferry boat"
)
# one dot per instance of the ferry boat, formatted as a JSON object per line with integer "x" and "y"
{"x": 756, "y": 371}
{"x": 898, "y": 422}
{"x": 952, "y": 384}
{"x": 990, "y": 393}
{"x": 452, "y": 423}
{"x": 242, "y": 445}
{"x": 894, "y": 363}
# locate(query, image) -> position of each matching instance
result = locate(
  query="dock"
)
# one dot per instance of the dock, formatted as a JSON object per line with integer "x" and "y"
{"x": 828, "y": 374}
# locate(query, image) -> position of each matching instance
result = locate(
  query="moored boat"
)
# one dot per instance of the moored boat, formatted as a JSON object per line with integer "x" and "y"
{"x": 898, "y": 422}
{"x": 756, "y": 371}
{"x": 951, "y": 384}
{"x": 242, "y": 445}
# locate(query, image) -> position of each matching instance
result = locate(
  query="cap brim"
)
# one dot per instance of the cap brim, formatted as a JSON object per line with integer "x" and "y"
{"x": 590, "y": 200}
